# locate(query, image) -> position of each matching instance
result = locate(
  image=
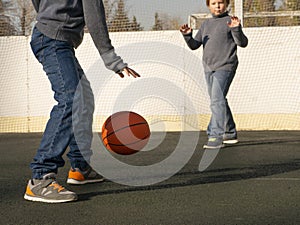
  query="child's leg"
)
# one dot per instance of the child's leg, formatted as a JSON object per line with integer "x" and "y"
{"x": 59, "y": 63}
{"x": 218, "y": 85}
{"x": 230, "y": 128}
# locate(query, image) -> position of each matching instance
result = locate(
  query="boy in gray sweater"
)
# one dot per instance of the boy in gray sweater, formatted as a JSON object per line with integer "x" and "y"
{"x": 219, "y": 36}
{"x": 59, "y": 30}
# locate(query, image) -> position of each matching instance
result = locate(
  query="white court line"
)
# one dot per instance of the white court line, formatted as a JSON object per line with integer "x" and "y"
{"x": 279, "y": 179}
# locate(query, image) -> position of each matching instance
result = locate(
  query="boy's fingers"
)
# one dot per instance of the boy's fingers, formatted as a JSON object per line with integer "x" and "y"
{"x": 128, "y": 72}
{"x": 184, "y": 27}
{"x": 132, "y": 72}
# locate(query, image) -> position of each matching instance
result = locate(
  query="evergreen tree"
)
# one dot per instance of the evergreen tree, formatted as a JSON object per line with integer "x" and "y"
{"x": 157, "y": 23}
{"x": 120, "y": 21}
{"x": 135, "y": 26}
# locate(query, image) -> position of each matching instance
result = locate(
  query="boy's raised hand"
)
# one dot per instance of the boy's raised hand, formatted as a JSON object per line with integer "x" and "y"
{"x": 129, "y": 72}
{"x": 185, "y": 29}
{"x": 235, "y": 22}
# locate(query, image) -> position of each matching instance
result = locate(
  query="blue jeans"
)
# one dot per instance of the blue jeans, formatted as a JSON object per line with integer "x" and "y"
{"x": 65, "y": 75}
{"x": 221, "y": 123}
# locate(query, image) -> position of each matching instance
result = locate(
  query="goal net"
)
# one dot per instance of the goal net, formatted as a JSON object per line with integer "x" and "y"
{"x": 171, "y": 93}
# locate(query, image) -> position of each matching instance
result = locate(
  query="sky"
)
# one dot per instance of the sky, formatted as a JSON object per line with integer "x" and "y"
{"x": 144, "y": 10}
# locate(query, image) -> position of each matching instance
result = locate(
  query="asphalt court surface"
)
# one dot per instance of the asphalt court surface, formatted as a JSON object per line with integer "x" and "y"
{"x": 256, "y": 181}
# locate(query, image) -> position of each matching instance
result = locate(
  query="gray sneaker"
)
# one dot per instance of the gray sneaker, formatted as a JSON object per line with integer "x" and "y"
{"x": 48, "y": 190}
{"x": 77, "y": 176}
{"x": 230, "y": 140}
{"x": 214, "y": 143}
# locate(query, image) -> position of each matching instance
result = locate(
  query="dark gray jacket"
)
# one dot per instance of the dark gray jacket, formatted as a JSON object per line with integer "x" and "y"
{"x": 219, "y": 43}
{"x": 65, "y": 20}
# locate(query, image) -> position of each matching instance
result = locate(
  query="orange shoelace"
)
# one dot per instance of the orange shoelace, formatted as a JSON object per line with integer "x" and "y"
{"x": 57, "y": 186}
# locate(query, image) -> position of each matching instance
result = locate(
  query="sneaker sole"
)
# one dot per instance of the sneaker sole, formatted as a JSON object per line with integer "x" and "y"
{"x": 40, "y": 199}
{"x": 230, "y": 141}
{"x": 213, "y": 147}
{"x": 77, "y": 182}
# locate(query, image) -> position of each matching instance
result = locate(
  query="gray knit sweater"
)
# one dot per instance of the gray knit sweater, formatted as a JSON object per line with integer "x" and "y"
{"x": 219, "y": 43}
{"x": 65, "y": 20}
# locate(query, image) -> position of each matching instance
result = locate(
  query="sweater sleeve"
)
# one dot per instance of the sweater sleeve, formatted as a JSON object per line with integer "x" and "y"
{"x": 239, "y": 37}
{"x": 193, "y": 43}
{"x": 94, "y": 15}
{"x": 36, "y": 4}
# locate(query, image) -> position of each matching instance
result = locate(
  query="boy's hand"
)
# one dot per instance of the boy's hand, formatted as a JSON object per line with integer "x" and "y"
{"x": 129, "y": 72}
{"x": 185, "y": 29}
{"x": 235, "y": 22}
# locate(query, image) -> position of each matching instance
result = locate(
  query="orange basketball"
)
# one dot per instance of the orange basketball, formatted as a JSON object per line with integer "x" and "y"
{"x": 125, "y": 133}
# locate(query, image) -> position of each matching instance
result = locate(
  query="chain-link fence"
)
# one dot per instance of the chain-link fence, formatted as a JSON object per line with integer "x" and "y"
{"x": 262, "y": 13}
{"x": 259, "y": 13}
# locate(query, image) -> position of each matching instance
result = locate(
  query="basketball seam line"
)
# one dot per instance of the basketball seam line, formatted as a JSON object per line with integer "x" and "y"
{"x": 115, "y": 131}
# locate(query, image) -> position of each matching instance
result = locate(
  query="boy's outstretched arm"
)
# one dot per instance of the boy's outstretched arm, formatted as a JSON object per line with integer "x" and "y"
{"x": 237, "y": 32}
{"x": 95, "y": 20}
{"x": 187, "y": 33}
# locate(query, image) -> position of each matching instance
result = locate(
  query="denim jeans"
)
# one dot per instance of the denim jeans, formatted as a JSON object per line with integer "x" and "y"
{"x": 221, "y": 123}
{"x": 66, "y": 77}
